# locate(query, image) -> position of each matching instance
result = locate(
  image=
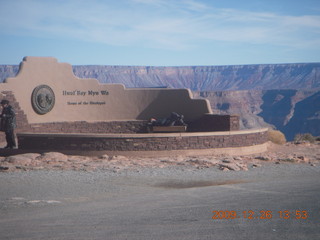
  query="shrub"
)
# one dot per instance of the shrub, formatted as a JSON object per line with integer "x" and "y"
{"x": 276, "y": 137}
{"x": 306, "y": 137}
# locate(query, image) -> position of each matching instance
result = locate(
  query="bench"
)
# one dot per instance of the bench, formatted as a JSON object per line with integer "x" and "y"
{"x": 168, "y": 129}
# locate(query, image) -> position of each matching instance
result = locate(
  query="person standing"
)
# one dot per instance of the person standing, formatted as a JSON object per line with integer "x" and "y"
{"x": 8, "y": 123}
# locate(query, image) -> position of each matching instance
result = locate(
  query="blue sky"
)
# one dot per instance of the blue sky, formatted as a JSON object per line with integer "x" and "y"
{"x": 161, "y": 32}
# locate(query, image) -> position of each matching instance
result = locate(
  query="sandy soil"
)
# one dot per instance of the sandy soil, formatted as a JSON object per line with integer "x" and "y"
{"x": 304, "y": 153}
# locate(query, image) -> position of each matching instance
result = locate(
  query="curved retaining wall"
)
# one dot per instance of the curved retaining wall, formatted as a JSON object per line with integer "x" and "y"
{"x": 159, "y": 142}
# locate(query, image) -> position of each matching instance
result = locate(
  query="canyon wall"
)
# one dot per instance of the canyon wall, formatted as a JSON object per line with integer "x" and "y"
{"x": 290, "y": 111}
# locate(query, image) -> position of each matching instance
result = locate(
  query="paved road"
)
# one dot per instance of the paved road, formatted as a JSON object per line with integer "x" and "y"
{"x": 153, "y": 205}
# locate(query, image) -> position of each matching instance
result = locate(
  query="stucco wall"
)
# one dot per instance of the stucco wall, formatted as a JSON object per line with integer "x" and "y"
{"x": 88, "y": 100}
{"x": 208, "y": 122}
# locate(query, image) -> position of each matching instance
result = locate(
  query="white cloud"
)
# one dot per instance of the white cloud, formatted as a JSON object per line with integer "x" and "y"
{"x": 176, "y": 24}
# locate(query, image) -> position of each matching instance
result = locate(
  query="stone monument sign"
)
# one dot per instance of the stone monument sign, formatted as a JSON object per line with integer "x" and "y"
{"x": 57, "y": 111}
{"x": 48, "y": 91}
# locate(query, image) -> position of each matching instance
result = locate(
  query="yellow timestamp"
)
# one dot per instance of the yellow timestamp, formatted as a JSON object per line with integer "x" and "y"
{"x": 261, "y": 214}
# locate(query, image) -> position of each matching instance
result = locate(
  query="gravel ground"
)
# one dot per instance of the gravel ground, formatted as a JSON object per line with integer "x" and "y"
{"x": 25, "y": 177}
{"x": 166, "y": 198}
{"x": 23, "y": 187}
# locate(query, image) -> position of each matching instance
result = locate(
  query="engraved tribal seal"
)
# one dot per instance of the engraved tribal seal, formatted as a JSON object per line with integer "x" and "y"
{"x": 42, "y": 99}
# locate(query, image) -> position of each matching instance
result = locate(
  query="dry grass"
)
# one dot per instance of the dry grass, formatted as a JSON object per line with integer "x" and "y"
{"x": 306, "y": 137}
{"x": 276, "y": 137}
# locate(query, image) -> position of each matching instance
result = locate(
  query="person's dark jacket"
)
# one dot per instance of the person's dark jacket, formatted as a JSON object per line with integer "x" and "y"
{"x": 8, "y": 119}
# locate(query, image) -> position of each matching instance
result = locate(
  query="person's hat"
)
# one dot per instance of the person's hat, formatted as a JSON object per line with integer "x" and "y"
{"x": 4, "y": 101}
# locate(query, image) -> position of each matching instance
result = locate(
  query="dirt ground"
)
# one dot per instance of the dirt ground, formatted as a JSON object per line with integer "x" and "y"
{"x": 54, "y": 196}
{"x": 290, "y": 153}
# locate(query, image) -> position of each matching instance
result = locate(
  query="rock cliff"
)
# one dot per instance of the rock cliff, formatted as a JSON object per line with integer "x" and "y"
{"x": 210, "y": 78}
{"x": 201, "y": 78}
{"x": 290, "y": 111}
